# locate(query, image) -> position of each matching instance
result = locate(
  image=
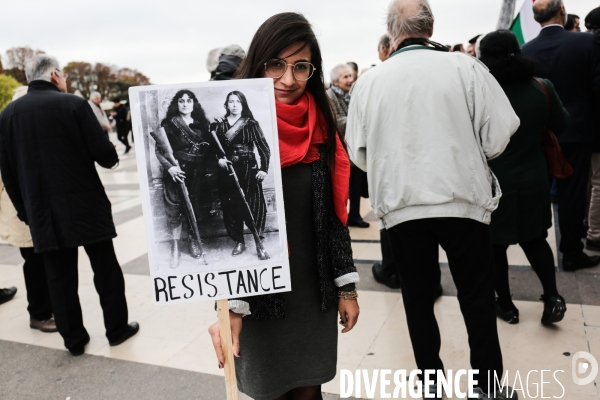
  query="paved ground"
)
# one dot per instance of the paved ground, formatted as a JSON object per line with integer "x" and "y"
{"x": 171, "y": 357}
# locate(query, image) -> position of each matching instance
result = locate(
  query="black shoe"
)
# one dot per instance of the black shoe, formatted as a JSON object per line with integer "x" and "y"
{"x": 360, "y": 224}
{"x": 194, "y": 249}
{"x": 554, "y": 309}
{"x": 592, "y": 245}
{"x": 7, "y": 294}
{"x": 79, "y": 350}
{"x": 131, "y": 329}
{"x": 431, "y": 392}
{"x": 511, "y": 316}
{"x": 238, "y": 249}
{"x": 127, "y": 149}
{"x": 386, "y": 276}
{"x": 579, "y": 261}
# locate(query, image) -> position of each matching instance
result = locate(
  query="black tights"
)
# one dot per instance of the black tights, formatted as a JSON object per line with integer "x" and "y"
{"x": 539, "y": 254}
{"x": 303, "y": 393}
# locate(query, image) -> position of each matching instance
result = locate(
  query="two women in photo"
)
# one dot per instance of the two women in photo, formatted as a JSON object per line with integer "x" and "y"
{"x": 201, "y": 163}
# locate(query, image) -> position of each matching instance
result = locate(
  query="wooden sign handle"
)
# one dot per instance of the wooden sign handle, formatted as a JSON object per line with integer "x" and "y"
{"x": 225, "y": 329}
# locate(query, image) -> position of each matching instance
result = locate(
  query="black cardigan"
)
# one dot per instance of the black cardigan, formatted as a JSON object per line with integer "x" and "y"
{"x": 334, "y": 251}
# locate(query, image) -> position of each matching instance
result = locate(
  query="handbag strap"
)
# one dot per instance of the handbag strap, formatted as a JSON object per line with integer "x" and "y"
{"x": 545, "y": 88}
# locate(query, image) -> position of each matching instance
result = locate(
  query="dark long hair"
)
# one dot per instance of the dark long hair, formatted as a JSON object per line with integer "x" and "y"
{"x": 501, "y": 53}
{"x": 271, "y": 38}
{"x": 246, "y": 113}
{"x": 197, "y": 112}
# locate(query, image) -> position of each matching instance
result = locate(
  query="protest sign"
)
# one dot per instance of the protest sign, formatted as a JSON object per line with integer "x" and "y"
{"x": 210, "y": 181}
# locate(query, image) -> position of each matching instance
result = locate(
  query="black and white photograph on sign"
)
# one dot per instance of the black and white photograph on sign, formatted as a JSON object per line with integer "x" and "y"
{"x": 209, "y": 152}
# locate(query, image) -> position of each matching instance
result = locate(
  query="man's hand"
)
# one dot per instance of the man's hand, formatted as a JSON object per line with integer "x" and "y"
{"x": 215, "y": 335}
{"x": 349, "y": 311}
{"x": 177, "y": 174}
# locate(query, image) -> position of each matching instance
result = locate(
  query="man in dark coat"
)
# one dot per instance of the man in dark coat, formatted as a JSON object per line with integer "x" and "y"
{"x": 123, "y": 124}
{"x": 571, "y": 60}
{"x": 49, "y": 142}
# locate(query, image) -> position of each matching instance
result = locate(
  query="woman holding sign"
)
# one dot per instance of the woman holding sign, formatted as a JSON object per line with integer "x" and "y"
{"x": 286, "y": 347}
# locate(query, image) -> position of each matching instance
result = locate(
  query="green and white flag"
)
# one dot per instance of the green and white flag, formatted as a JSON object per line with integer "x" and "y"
{"x": 524, "y": 25}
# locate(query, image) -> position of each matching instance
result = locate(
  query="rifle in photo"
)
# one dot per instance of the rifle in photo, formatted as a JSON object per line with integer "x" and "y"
{"x": 260, "y": 249}
{"x": 162, "y": 141}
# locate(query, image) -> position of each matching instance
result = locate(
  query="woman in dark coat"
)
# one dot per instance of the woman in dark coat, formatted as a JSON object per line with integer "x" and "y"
{"x": 288, "y": 345}
{"x": 186, "y": 127}
{"x": 524, "y": 213}
{"x": 240, "y": 134}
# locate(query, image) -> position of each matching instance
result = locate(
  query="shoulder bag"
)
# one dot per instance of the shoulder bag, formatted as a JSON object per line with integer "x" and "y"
{"x": 558, "y": 166}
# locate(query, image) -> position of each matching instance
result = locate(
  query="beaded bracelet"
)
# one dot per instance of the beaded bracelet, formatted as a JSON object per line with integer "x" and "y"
{"x": 353, "y": 295}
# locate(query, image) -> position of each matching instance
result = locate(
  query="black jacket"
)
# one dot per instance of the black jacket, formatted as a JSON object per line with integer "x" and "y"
{"x": 227, "y": 67}
{"x": 49, "y": 142}
{"x": 571, "y": 60}
{"x": 334, "y": 251}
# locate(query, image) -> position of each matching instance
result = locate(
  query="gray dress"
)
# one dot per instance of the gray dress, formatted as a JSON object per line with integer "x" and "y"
{"x": 300, "y": 350}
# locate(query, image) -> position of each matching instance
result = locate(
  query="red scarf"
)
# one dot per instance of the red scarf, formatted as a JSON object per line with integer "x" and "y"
{"x": 299, "y": 137}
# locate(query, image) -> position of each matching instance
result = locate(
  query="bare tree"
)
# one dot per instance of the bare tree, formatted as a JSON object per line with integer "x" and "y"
{"x": 108, "y": 80}
{"x": 80, "y": 77}
{"x": 126, "y": 78}
{"x": 15, "y": 62}
{"x": 104, "y": 75}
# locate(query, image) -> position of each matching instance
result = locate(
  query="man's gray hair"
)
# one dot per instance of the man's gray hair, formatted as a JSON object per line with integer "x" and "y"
{"x": 233, "y": 50}
{"x": 94, "y": 95}
{"x": 546, "y": 14}
{"x": 335, "y": 73}
{"x": 410, "y": 18}
{"x": 40, "y": 67}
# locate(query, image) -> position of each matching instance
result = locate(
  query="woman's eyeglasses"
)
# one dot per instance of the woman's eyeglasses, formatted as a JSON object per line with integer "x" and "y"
{"x": 275, "y": 68}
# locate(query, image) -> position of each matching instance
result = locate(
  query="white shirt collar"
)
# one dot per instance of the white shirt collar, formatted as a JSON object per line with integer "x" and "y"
{"x": 548, "y": 26}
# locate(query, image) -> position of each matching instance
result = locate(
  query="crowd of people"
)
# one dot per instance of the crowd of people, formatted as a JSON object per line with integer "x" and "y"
{"x": 450, "y": 145}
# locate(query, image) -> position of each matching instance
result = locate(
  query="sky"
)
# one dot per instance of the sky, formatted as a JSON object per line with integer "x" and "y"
{"x": 168, "y": 41}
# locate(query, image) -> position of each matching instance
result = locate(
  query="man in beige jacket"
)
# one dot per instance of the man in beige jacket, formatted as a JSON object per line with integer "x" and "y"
{"x": 16, "y": 233}
{"x": 423, "y": 125}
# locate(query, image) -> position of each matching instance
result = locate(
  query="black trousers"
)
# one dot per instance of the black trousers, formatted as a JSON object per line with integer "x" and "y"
{"x": 414, "y": 245}
{"x": 122, "y": 134}
{"x": 36, "y": 283}
{"x": 540, "y": 257}
{"x": 387, "y": 258}
{"x": 572, "y": 197}
{"x": 63, "y": 281}
{"x": 357, "y": 177}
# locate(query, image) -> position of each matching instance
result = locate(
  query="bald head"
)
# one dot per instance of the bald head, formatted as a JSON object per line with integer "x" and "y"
{"x": 548, "y": 12}
{"x": 409, "y": 19}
